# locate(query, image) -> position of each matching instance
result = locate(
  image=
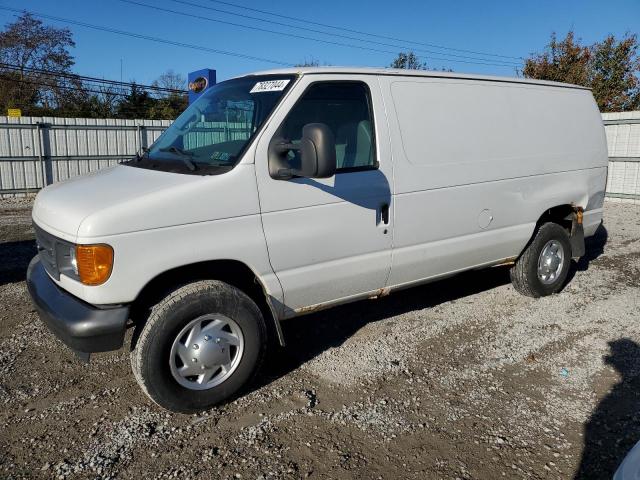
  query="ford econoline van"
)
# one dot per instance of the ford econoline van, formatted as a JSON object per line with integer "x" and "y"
{"x": 281, "y": 193}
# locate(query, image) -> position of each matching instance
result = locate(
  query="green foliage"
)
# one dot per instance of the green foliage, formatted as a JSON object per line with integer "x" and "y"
{"x": 136, "y": 104}
{"x": 610, "y": 68}
{"x": 563, "y": 61}
{"x": 614, "y": 74}
{"x": 168, "y": 108}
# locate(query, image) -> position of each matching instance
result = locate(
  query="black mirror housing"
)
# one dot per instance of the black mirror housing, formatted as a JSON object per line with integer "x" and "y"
{"x": 317, "y": 149}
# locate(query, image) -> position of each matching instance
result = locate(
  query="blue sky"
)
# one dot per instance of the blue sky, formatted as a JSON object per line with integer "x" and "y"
{"x": 504, "y": 27}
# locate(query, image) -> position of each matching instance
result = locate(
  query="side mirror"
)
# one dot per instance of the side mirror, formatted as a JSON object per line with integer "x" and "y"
{"x": 317, "y": 149}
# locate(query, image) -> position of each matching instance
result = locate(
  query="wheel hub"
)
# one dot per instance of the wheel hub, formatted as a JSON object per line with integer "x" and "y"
{"x": 550, "y": 262}
{"x": 209, "y": 352}
{"x": 206, "y": 352}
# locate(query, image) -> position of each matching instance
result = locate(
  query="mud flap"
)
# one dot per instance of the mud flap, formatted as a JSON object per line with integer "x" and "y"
{"x": 577, "y": 239}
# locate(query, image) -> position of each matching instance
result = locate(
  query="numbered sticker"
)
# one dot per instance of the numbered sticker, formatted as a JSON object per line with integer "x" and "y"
{"x": 270, "y": 86}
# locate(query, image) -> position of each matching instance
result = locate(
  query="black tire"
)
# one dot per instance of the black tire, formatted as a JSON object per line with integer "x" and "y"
{"x": 150, "y": 355}
{"x": 524, "y": 274}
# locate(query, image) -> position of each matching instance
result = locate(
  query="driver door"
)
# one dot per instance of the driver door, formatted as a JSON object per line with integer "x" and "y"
{"x": 329, "y": 240}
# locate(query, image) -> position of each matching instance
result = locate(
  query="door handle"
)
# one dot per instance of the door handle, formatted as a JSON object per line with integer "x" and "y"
{"x": 384, "y": 213}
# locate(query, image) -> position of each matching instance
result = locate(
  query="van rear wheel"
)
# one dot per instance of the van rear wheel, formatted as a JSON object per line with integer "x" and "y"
{"x": 200, "y": 345}
{"x": 543, "y": 267}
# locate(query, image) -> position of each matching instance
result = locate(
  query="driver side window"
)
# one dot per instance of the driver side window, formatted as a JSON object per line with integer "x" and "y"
{"x": 345, "y": 108}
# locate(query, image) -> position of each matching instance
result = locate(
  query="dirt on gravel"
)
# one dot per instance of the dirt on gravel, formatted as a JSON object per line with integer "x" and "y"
{"x": 462, "y": 378}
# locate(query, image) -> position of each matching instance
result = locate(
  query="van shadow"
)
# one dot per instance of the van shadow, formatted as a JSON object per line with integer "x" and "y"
{"x": 14, "y": 260}
{"x": 614, "y": 425}
{"x": 369, "y": 189}
{"x": 594, "y": 247}
{"x": 310, "y": 335}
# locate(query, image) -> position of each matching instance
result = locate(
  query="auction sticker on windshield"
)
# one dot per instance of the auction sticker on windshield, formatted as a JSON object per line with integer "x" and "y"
{"x": 270, "y": 86}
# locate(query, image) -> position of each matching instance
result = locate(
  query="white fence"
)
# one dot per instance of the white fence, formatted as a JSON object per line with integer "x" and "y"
{"x": 623, "y": 139}
{"x": 38, "y": 151}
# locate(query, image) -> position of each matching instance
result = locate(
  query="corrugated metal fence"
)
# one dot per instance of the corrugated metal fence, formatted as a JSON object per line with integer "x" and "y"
{"x": 623, "y": 139}
{"x": 38, "y": 151}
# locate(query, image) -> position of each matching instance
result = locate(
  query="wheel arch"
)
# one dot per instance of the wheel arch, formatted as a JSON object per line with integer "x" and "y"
{"x": 560, "y": 214}
{"x": 565, "y": 216}
{"x": 233, "y": 272}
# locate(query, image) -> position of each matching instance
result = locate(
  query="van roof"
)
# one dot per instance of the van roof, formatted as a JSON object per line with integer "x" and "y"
{"x": 410, "y": 73}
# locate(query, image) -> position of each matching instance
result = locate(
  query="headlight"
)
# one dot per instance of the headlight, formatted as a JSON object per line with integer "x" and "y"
{"x": 89, "y": 264}
{"x": 66, "y": 259}
{"x": 94, "y": 263}
{"x": 73, "y": 261}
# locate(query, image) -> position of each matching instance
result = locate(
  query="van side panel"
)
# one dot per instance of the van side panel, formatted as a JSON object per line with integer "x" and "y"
{"x": 476, "y": 165}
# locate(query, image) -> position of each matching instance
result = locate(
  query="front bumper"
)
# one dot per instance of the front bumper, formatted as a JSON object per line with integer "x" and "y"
{"x": 81, "y": 326}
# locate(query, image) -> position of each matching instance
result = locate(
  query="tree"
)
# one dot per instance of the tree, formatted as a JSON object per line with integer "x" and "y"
{"x": 15, "y": 93}
{"x": 101, "y": 102}
{"x": 409, "y": 61}
{"x": 168, "y": 105}
{"x": 614, "y": 74}
{"x": 168, "y": 108}
{"x": 28, "y": 43}
{"x": 137, "y": 104}
{"x": 312, "y": 62}
{"x": 562, "y": 61}
{"x": 27, "y": 47}
{"x": 171, "y": 80}
{"x": 36, "y": 76}
{"x": 610, "y": 68}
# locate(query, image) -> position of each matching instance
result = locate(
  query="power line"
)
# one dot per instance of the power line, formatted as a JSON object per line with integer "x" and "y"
{"x": 88, "y": 79}
{"x": 93, "y": 80}
{"x": 349, "y": 37}
{"x": 293, "y": 35}
{"x": 359, "y": 32}
{"x": 63, "y": 87}
{"x": 148, "y": 37}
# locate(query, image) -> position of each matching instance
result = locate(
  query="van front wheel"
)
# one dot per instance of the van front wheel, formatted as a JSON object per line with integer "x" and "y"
{"x": 200, "y": 345}
{"x": 543, "y": 266}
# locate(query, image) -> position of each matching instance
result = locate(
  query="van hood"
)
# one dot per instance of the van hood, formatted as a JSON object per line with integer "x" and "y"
{"x": 119, "y": 200}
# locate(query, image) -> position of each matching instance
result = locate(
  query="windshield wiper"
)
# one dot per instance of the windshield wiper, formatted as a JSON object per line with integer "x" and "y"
{"x": 144, "y": 152}
{"x": 183, "y": 155}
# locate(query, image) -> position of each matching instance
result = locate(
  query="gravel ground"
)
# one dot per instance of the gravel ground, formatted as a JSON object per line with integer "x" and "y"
{"x": 463, "y": 378}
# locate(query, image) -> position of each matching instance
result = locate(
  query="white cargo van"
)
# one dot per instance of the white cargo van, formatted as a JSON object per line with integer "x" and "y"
{"x": 280, "y": 193}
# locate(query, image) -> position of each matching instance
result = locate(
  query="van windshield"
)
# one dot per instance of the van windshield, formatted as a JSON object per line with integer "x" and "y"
{"x": 211, "y": 135}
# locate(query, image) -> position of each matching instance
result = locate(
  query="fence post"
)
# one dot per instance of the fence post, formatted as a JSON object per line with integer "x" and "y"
{"x": 141, "y": 140}
{"x": 143, "y": 137}
{"x": 41, "y": 154}
{"x": 138, "y": 140}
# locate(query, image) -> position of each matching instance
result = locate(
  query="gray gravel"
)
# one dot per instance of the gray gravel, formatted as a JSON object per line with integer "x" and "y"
{"x": 463, "y": 378}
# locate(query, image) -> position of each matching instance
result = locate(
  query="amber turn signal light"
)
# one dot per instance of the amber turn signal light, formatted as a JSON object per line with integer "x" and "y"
{"x": 94, "y": 263}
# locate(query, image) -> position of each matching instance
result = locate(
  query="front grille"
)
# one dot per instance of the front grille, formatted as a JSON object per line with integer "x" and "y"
{"x": 48, "y": 251}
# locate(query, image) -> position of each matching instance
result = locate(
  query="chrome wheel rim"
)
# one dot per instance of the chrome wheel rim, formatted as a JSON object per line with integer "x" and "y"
{"x": 206, "y": 352}
{"x": 550, "y": 262}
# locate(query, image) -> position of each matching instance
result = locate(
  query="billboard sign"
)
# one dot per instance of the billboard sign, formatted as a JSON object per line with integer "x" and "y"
{"x": 199, "y": 81}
